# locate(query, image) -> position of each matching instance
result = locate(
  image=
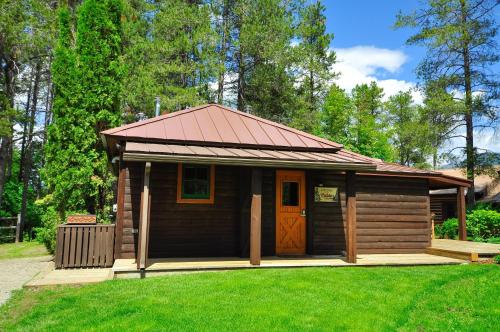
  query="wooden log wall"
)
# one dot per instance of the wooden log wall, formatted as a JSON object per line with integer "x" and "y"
{"x": 325, "y": 221}
{"x": 268, "y": 223}
{"x": 84, "y": 246}
{"x": 444, "y": 207}
{"x": 193, "y": 230}
{"x": 393, "y": 215}
{"x": 129, "y": 218}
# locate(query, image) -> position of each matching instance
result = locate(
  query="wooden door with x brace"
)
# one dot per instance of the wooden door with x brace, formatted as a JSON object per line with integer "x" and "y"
{"x": 290, "y": 212}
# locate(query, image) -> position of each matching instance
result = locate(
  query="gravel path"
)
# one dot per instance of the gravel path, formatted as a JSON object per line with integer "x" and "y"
{"x": 14, "y": 273}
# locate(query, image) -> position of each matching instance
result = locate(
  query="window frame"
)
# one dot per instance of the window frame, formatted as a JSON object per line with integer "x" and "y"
{"x": 180, "y": 175}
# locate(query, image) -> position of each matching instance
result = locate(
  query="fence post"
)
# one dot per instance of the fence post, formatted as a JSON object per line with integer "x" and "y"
{"x": 18, "y": 229}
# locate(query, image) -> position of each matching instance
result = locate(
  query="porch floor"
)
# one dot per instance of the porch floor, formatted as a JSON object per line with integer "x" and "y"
{"x": 123, "y": 266}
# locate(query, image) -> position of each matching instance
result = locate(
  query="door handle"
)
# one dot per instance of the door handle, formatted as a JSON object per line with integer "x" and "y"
{"x": 303, "y": 212}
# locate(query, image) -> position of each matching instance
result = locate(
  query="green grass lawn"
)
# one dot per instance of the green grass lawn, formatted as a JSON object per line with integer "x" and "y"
{"x": 22, "y": 249}
{"x": 439, "y": 298}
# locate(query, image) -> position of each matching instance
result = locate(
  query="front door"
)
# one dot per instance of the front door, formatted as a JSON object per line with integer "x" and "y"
{"x": 290, "y": 213}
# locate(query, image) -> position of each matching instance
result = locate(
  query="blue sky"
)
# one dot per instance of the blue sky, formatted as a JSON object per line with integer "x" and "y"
{"x": 369, "y": 48}
{"x": 369, "y": 23}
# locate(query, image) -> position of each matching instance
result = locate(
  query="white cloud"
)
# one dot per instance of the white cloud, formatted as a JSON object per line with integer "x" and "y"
{"x": 364, "y": 64}
{"x": 486, "y": 138}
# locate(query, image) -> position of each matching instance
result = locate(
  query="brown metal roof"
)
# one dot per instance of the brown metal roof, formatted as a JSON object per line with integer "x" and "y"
{"x": 218, "y": 124}
{"x": 240, "y": 156}
{"x": 217, "y": 134}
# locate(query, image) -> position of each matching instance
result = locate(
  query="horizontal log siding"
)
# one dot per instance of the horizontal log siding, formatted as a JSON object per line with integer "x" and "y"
{"x": 193, "y": 230}
{"x": 134, "y": 173}
{"x": 393, "y": 215}
{"x": 325, "y": 221}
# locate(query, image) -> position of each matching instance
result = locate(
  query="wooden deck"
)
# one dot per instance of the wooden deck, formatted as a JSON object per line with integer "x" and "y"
{"x": 128, "y": 267}
{"x": 467, "y": 250}
{"x": 482, "y": 249}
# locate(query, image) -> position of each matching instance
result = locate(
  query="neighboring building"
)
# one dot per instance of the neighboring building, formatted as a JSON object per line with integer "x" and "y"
{"x": 444, "y": 201}
{"x": 210, "y": 181}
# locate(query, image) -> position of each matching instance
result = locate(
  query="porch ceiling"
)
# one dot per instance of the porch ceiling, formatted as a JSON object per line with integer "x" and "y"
{"x": 135, "y": 151}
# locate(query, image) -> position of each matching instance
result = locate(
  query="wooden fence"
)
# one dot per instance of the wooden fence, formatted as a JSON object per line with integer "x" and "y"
{"x": 85, "y": 246}
{"x": 9, "y": 227}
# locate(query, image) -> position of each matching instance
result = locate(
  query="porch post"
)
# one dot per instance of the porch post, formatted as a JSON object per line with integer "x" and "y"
{"x": 351, "y": 216}
{"x": 142, "y": 254}
{"x": 255, "y": 217}
{"x": 462, "y": 228}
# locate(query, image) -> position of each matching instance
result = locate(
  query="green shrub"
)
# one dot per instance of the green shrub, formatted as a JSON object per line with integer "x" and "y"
{"x": 496, "y": 259}
{"x": 47, "y": 233}
{"x": 448, "y": 229}
{"x": 483, "y": 224}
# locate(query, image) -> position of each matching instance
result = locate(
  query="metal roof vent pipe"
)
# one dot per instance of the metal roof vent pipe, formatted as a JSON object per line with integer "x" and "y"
{"x": 157, "y": 106}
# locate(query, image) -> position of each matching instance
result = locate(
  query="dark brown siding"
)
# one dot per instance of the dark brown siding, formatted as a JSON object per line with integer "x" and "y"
{"x": 268, "y": 244}
{"x": 193, "y": 230}
{"x": 393, "y": 215}
{"x": 325, "y": 221}
{"x": 134, "y": 172}
{"x": 444, "y": 207}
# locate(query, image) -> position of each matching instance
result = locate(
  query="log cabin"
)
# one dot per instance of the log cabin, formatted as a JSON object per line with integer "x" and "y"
{"x": 210, "y": 181}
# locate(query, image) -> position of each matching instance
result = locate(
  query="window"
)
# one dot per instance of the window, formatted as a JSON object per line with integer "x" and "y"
{"x": 290, "y": 194}
{"x": 195, "y": 184}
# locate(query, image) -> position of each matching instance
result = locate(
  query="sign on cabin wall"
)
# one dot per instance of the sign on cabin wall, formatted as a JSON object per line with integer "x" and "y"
{"x": 325, "y": 194}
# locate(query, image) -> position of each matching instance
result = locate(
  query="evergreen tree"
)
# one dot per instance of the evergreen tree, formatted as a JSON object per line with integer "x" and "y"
{"x": 170, "y": 55}
{"x": 460, "y": 37}
{"x": 442, "y": 114}
{"x": 315, "y": 60}
{"x": 262, "y": 59}
{"x": 409, "y": 132}
{"x": 337, "y": 117}
{"x": 87, "y": 74}
{"x": 371, "y": 137}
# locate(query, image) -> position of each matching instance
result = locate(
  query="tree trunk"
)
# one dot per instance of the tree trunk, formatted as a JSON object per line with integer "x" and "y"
{"x": 223, "y": 53}
{"x": 28, "y": 156}
{"x": 469, "y": 140}
{"x": 26, "y": 125}
{"x": 5, "y": 146}
{"x": 241, "y": 82}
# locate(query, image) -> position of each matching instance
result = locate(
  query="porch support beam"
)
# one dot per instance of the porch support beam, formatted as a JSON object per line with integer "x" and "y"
{"x": 351, "y": 250}
{"x": 142, "y": 254}
{"x": 462, "y": 228}
{"x": 255, "y": 217}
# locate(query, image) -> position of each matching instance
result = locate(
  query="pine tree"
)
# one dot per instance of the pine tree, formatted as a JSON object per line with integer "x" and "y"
{"x": 409, "y": 131}
{"x": 315, "y": 60}
{"x": 337, "y": 117}
{"x": 171, "y": 54}
{"x": 371, "y": 135}
{"x": 460, "y": 37}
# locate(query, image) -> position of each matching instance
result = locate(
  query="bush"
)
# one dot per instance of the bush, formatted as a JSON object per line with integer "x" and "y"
{"x": 481, "y": 225}
{"x": 448, "y": 229}
{"x": 496, "y": 259}
{"x": 47, "y": 233}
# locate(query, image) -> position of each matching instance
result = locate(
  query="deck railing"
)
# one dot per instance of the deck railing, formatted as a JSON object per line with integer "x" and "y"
{"x": 85, "y": 246}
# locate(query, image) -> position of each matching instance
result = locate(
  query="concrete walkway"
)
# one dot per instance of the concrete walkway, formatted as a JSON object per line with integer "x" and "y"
{"x": 14, "y": 273}
{"x": 71, "y": 276}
